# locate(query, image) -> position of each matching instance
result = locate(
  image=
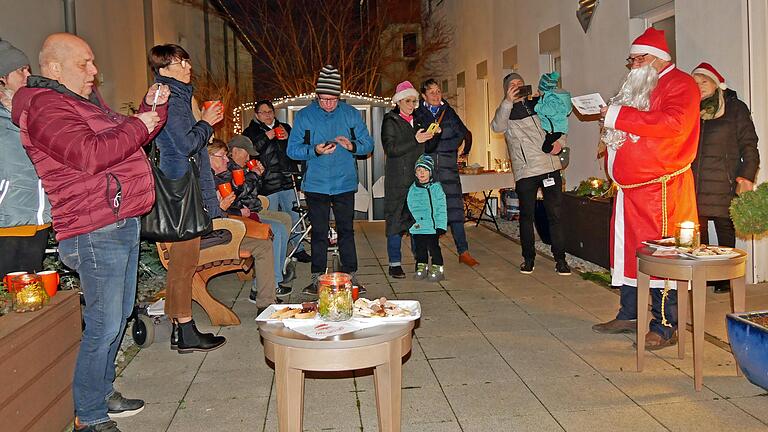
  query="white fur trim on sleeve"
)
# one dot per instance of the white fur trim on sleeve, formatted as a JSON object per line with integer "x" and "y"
{"x": 611, "y": 116}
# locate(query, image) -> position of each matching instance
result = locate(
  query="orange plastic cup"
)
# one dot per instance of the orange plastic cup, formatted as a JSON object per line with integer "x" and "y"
{"x": 225, "y": 189}
{"x": 238, "y": 177}
{"x": 252, "y": 164}
{"x": 210, "y": 103}
{"x": 50, "y": 280}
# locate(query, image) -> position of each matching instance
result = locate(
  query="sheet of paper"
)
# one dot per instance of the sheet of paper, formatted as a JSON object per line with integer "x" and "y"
{"x": 588, "y": 104}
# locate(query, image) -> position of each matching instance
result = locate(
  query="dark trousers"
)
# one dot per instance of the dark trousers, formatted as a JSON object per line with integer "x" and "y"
{"x": 23, "y": 253}
{"x": 319, "y": 215}
{"x": 628, "y": 309}
{"x": 553, "y": 195}
{"x": 726, "y": 233}
{"x": 427, "y": 245}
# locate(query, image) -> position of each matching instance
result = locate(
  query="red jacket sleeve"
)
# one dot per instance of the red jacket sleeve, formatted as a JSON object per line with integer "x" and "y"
{"x": 677, "y": 111}
{"x": 162, "y": 111}
{"x": 60, "y": 131}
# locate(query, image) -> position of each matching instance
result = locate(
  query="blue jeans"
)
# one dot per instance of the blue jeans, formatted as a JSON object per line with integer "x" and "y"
{"x": 279, "y": 246}
{"x": 393, "y": 249}
{"x": 459, "y": 236}
{"x": 107, "y": 262}
{"x": 628, "y": 310}
{"x": 284, "y": 201}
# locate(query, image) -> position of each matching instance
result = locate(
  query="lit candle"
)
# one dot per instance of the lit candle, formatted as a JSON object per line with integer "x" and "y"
{"x": 687, "y": 229}
{"x": 595, "y": 183}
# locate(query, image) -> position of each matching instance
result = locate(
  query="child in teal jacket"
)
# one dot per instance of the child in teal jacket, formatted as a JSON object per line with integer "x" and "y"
{"x": 426, "y": 201}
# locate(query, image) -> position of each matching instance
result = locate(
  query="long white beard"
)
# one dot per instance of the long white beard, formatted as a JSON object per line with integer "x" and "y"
{"x": 635, "y": 92}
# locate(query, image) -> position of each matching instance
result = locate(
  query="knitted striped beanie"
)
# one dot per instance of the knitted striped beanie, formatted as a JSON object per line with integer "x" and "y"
{"x": 329, "y": 81}
{"x": 425, "y": 162}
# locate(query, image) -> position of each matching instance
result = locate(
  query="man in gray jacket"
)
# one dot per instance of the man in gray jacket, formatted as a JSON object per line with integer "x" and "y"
{"x": 533, "y": 168}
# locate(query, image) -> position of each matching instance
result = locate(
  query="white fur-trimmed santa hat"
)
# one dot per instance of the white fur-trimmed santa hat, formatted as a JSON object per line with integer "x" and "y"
{"x": 651, "y": 42}
{"x": 710, "y": 72}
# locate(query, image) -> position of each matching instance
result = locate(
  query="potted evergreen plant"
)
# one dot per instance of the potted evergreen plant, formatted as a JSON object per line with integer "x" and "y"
{"x": 748, "y": 332}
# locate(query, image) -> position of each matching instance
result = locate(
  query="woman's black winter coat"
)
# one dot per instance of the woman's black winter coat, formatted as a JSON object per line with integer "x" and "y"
{"x": 443, "y": 148}
{"x": 272, "y": 154}
{"x": 399, "y": 140}
{"x": 727, "y": 149}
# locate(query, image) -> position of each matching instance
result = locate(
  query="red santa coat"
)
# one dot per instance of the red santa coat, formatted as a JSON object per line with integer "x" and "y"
{"x": 669, "y": 136}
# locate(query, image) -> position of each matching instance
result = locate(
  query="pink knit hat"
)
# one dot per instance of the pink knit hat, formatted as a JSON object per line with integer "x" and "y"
{"x": 403, "y": 90}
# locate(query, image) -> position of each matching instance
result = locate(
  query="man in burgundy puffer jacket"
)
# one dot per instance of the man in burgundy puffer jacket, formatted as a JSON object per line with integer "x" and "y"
{"x": 99, "y": 182}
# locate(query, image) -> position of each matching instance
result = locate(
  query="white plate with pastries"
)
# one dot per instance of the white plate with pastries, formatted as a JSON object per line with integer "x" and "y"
{"x": 705, "y": 252}
{"x": 383, "y": 310}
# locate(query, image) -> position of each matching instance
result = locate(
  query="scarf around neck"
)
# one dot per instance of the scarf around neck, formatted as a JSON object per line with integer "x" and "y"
{"x": 713, "y": 107}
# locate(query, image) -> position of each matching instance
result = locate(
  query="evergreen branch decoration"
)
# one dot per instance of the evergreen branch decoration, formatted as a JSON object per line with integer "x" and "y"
{"x": 749, "y": 211}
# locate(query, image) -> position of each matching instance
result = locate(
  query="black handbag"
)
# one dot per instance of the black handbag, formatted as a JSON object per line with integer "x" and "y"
{"x": 179, "y": 212}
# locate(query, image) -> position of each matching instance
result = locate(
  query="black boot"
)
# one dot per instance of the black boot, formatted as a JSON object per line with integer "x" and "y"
{"x": 185, "y": 338}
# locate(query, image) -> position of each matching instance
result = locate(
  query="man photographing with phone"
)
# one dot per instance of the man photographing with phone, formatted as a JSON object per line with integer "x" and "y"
{"x": 329, "y": 134}
{"x": 532, "y": 167}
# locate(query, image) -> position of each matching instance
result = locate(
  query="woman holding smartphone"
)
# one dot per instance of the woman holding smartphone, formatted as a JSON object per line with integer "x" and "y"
{"x": 403, "y": 140}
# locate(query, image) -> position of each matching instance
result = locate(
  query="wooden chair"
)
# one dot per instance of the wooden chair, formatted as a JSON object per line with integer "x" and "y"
{"x": 213, "y": 261}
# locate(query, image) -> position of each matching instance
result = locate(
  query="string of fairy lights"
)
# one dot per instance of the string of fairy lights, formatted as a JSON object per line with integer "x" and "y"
{"x": 237, "y": 112}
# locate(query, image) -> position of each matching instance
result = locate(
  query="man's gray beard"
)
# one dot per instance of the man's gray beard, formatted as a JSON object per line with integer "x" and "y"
{"x": 635, "y": 92}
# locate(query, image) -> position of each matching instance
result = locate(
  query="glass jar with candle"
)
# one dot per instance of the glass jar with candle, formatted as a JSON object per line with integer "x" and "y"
{"x": 687, "y": 234}
{"x": 334, "y": 297}
{"x": 28, "y": 293}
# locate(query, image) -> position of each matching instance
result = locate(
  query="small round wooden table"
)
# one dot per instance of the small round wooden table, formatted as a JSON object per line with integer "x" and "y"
{"x": 698, "y": 272}
{"x": 381, "y": 348}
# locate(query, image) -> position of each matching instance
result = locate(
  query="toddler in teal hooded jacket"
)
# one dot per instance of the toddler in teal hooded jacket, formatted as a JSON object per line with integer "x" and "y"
{"x": 553, "y": 109}
{"x": 426, "y": 202}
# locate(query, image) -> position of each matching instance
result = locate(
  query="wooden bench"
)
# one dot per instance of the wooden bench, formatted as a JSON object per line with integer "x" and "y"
{"x": 216, "y": 260}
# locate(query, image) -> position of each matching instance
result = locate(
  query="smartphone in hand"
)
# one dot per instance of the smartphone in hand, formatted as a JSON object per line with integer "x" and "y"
{"x": 524, "y": 91}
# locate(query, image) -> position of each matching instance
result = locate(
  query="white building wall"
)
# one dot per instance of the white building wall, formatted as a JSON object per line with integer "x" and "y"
{"x": 706, "y": 30}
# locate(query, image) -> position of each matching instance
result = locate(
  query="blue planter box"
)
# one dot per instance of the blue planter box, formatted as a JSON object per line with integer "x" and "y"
{"x": 749, "y": 343}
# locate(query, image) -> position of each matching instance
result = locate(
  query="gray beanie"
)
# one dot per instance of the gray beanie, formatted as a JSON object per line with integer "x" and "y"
{"x": 11, "y": 58}
{"x": 329, "y": 81}
{"x": 508, "y": 79}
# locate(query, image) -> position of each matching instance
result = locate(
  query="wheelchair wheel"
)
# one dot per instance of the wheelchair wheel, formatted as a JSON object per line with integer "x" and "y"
{"x": 143, "y": 331}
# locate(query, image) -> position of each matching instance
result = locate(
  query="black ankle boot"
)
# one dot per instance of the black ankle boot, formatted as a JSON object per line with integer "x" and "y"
{"x": 188, "y": 339}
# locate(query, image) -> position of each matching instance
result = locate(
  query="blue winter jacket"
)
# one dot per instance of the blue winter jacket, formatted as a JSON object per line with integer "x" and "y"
{"x": 334, "y": 173}
{"x": 183, "y": 135}
{"x": 428, "y": 207}
{"x": 22, "y": 198}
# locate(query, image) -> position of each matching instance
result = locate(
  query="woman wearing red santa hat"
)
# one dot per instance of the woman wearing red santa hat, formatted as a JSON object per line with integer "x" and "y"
{"x": 727, "y": 160}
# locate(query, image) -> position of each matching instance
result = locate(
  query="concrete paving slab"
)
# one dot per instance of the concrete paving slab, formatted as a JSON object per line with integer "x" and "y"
{"x": 577, "y": 393}
{"x": 220, "y": 415}
{"x": 527, "y": 423}
{"x": 713, "y": 415}
{"x": 479, "y": 401}
{"x": 608, "y": 420}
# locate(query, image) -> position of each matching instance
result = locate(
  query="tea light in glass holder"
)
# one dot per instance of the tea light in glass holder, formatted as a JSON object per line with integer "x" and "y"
{"x": 687, "y": 234}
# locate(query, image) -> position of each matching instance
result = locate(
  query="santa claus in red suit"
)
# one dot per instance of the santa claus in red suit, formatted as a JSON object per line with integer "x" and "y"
{"x": 652, "y": 132}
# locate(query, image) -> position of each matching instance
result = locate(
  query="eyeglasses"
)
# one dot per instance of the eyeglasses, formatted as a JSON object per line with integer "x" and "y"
{"x": 329, "y": 101}
{"x": 636, "y": 59}
{"x": 183, "y": 62}
{"x": 265, "y": 112}
{"x": 222, "y": 156}
{"x": 411, "y": 101}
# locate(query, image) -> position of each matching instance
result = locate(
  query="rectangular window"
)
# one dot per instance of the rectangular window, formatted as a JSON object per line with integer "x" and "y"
{"x": 410, "y": 45}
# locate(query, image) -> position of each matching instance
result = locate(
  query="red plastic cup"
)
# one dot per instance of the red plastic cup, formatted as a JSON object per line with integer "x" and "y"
{"x": 210, "y": 103}
{"x": 7, "y": 279}
{"x": 238, "y": 177}
{"x": 50, "y": 279}
{"x": 252, "y": 164}
{"x": 280, "y": 133}
{"x": 355, "y": 292}
{"x": 225, "y": 189}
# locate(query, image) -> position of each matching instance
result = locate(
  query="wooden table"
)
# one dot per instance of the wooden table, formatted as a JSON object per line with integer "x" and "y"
{"x": 485, "y": 183}
{"x": 683, "y": 270}
{"x": 381, "y": 347}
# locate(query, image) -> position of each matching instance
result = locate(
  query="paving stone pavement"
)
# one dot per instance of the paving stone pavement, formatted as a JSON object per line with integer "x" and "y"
{"x": 495, "y": 350}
